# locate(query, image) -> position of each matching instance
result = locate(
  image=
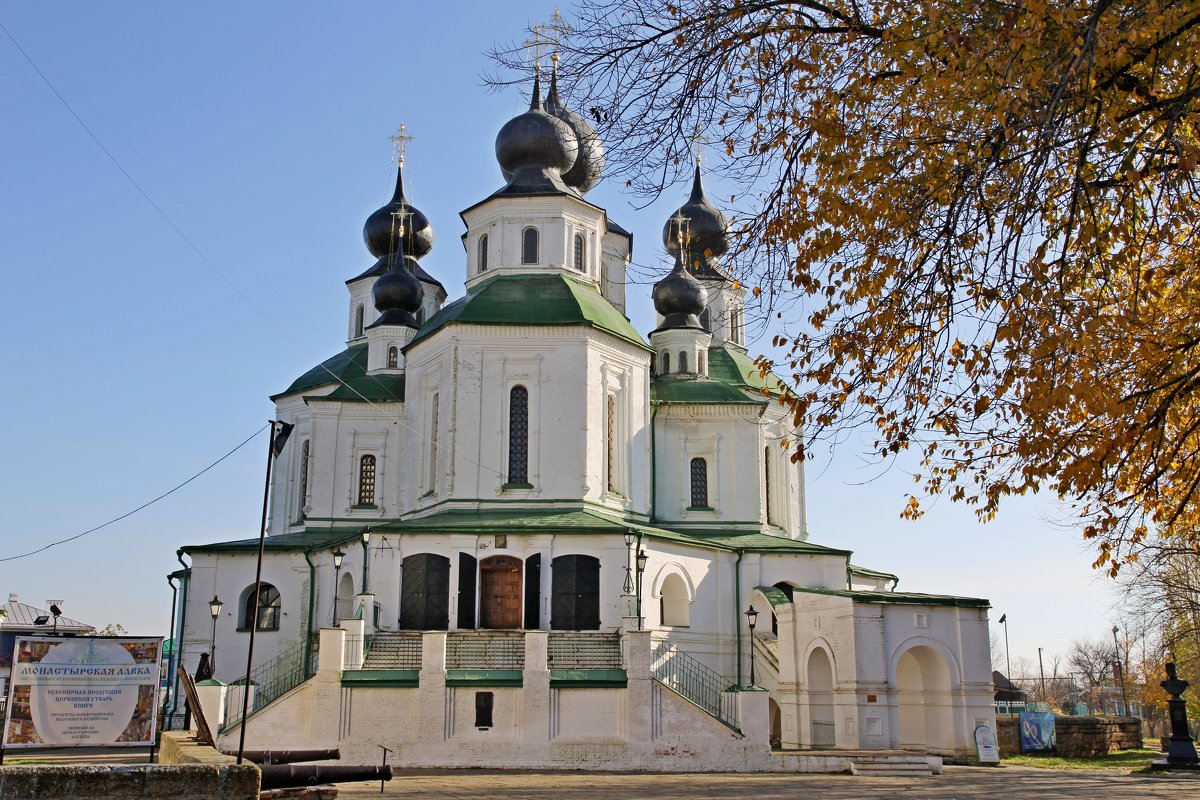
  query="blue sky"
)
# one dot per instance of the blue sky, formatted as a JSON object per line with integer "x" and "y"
{"x": 261, "y": 130}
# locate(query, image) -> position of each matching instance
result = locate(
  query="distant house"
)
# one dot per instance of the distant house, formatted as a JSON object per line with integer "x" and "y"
{"x": 22, "y": 619}
{"x": 1008, "y": 694}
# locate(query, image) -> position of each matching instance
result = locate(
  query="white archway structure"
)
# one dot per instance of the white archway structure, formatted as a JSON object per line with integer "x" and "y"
{"x": 925, "y": 680}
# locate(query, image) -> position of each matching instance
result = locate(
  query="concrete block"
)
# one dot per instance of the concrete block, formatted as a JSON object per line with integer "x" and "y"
{"x": 191, "y": 780}
{"x": 127, "y": 781}
{"x": 56, "y": 782}
{"x": 240, "y": 781}
{"x": 18, "y": 783}
{"x": 90, "y": 781}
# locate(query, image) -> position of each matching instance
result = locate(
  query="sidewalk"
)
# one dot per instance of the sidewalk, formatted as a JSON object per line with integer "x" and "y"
{"x": 958, "y": 783}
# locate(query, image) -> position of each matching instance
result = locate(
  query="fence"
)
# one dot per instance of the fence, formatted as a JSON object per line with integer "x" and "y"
{"x": 281, "y": 674}
{"x": 823, "y": 734}
{"x": 705, "y": 687}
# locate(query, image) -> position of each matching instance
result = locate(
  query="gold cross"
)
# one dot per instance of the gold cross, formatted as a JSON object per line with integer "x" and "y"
{"x": 558, "y": 28}
{"x": 698, "y": 142}
{"x": 400, "y": 219}
{"x": 534, "y": 45}
{"x": 681, "y": 228}
{"x": 400, "y": 140}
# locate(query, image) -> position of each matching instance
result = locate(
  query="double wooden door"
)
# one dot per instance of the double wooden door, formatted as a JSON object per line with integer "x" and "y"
{"x": 500, "y": 592}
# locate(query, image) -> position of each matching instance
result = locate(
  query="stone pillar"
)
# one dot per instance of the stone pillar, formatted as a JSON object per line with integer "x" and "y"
{"x": 356, "y": 643}
{"x": 536, "y": 692}
{"x": 432, "y": 698}
{"x": 754, "y": 717}
{"x": 234, "y": 694}
{"x": 211, "y": 693}
{"x": 639, "y": 701}
{"x": 331, "y": 653}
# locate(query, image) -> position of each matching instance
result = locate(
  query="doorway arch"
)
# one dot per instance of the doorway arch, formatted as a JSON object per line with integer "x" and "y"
{"x": 500, "y": 593}
{"x": 822, "y": 727}
{"x": 923, "y": 701}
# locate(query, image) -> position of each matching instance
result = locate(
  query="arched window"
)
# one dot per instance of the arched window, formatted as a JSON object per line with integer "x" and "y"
{"x": 579, "y": 251}
{"x": 529, "y": 246}
{"x": 767, "y": 483}
{"x": 366, "y": 480}
{"x": 673, "y": 606}
{"x": 575, "y": 593}
{"x": 358, "y": 320}
{"x": 706, "y": 320}
{"x": 393, "y": 357}
{"x": 611, "y": 460}
{"x": 302, "y": 486}
{"x": 263, "y": 614}
{"x": 518, "y": 435}
{"x": 699, "y": 472}
{"x": 683, "y": 361}
{"x": 666, "y": 363}
{"x": 483, "y": 248}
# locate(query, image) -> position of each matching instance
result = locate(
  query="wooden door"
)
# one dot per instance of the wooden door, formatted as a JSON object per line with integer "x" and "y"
{"x": 500, "y": 592}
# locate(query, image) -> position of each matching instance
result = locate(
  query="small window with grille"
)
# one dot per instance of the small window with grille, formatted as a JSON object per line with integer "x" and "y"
{"x": 366, "y": 480}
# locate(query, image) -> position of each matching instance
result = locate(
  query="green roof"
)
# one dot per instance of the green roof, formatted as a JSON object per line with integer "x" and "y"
{"x": 348, "y": 369}
{"x": 903, "y": 598}
{"x": 525, "y": 520}
{"x": 731, "y": 365}
{"x": 774, "y": 596}
{"x": 874, "y": 573}
{"x": 549, "y": 299}
{"x": 304, "y": 540}
{"x": 700, "y": 391}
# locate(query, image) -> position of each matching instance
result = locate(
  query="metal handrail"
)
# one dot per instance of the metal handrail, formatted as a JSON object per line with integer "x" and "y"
{"x": 692, "y": 680}
{"x": 271, "y": 680}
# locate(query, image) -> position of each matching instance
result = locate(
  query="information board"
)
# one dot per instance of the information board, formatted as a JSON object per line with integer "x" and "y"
{"x": 86, "y": 691}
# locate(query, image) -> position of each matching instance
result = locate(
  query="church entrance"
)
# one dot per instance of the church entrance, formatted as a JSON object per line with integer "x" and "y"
{"x": 500, "y": 592}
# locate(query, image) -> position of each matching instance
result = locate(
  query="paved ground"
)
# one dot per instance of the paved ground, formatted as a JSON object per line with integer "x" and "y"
{"x": 959, "y": 783}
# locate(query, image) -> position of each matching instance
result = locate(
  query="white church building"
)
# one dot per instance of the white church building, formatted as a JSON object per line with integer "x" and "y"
{"x": 509, "y": 529}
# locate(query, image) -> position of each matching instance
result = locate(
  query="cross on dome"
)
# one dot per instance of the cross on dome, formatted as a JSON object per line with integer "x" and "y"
{"x": 400, "y": 141}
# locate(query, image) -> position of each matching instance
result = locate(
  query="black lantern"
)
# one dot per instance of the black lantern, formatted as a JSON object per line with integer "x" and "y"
{"x": 642, "y": 558}
{"x": 366, "y": 543}
{"x": 630, "y": 538}
{"x": 338, "y": 555}
{"x": 751, "y": 618}
{"x": 214, "y": 608}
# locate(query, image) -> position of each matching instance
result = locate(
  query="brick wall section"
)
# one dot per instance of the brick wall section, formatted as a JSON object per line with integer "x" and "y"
{"x": 100, "y": 782}
{"x": 1077, "y": 737}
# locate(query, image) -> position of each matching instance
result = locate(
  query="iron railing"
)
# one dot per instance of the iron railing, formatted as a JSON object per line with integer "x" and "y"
{"x": 692, "y": 680}
{"x": 574, "y": 650}
{"x": 276, "y": 677}
{"x": 393, "y": 650}
{"x": 485, "y": 650}
{"x": 823, "y": 734}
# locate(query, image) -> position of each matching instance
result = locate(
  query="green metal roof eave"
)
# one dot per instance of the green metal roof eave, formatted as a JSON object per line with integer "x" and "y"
{"x": 774, "y": 596}
{"x": 349, "y": 364}
{"x": 730, "y": 365}
{"x": 873, "y": 573}
{"x": 700, "y": 392}
{"x": 902, "y": 598}
{"x": 296, "y": 542}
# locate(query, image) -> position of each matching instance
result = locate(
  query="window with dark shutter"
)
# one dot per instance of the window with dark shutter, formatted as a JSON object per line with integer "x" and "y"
{"x": 518, "y": 435}
{"x": 466, "y": 591}
{"x": 533, "y": 592}
{"x": 425, "y": 593}
{"x": 575, "y": 593}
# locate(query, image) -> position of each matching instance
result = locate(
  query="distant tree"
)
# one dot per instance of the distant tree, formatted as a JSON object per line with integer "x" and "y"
{"x": 112, "y": 629}
{"x": 975, "y": 223}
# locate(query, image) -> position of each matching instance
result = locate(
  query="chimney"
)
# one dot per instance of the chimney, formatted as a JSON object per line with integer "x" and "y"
{"x": 12, "y": 597}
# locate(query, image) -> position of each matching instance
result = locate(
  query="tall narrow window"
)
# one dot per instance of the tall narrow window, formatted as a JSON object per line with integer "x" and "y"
{"x": 666, "y": 363}
{"x": 366, "y": 480}
{"x": 579, "y": 251}
{"x": 433, "y": 444}
{"x": 683, "y": 361}
{"x": 358, "y": 320}
{"x": 483, "y": 248}
{"x": 529, "y": 246}
{"x": 518, "y": 435}
{"x": 302, "y": 487}
{"x": 699, "y": 469}
{"x": 700, "y": 368}
{"x": 393, "y": 357}
{"x": 767, "y": 483}
{"x": 611, "y": 461}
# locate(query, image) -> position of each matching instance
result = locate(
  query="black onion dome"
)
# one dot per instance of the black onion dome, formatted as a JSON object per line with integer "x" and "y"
{"x": 397, "y": 292}
{"x": 707, "y": 228}
{"x": 535, "y": 143}
{"x": 679, "y": 298}
{"x": 378, "y": 232}
{"x": 589, "y": 164}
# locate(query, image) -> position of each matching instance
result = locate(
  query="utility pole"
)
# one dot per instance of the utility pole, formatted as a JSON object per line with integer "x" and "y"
{"x": 1042, "y": 670}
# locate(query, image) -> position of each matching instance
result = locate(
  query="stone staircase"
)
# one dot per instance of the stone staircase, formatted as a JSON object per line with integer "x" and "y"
{"x": 766, "y": 659}
{"x": 895, "y": 765}
{"x": 394, "y": 650}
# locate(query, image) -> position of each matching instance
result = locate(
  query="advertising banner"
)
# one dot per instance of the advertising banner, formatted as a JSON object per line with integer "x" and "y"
{"x": 1037, "y": 731}
{"x": 86, "y": 691}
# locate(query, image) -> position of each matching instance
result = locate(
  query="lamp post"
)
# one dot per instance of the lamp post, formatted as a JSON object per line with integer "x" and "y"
{"x": 641, "y": 560}
{"x": 338, "y": 555}
{"x": 1119, "y": 672}
{"x": 366, "y": 543}
{"x": 630, "y": 538}
{"x": 1007, "y": 661}
{"x": 214, "y": 608}
{"x": 751, "y": 618}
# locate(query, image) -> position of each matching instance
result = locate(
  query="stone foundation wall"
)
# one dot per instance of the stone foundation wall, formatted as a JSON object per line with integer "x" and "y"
{"x": 1076, "y": 737}
{"x": 100, "y": 782}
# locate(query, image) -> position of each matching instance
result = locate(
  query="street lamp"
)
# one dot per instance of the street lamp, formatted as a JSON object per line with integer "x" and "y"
{"x": 214, "y": 608}
{"x": 1007, "y": 662}
{"x": 366, "y": 542}
{"x": 751, "y": 618}
{"x": 338, "y": 555}
{"x": 641, "y": 560}
{"x": 1119, "y": 672}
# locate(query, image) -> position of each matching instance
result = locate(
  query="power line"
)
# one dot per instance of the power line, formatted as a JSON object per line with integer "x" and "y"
{"x": 143, "y": 505}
